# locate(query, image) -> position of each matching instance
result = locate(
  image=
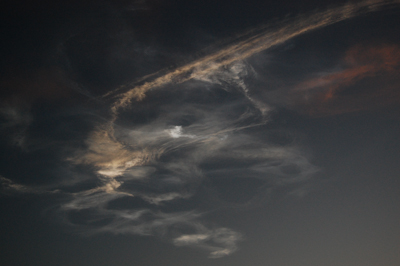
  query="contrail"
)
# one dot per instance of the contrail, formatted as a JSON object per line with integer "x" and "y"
{"x": 252, "y": 45}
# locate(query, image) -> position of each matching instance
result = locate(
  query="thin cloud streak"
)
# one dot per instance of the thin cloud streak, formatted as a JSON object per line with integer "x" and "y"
{"x": 10, "y": 187}
{"x": 325, "y": 95}
{"x": 224, "y": 238}
{"x": 250, "y": 46}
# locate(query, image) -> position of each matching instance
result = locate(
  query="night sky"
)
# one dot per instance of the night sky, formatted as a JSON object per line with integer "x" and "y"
{"x": 173, "y": 132}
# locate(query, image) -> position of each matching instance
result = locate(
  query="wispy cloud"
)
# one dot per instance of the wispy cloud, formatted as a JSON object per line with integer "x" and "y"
{"x": 9, "y": 185}
{"x": 197, "y": 138}
{"x": 254, "y": 42}
{"x": 153, "y": 167}
{"x": 16, "y": 122}
{"x": 325, "y": 95}
{"x": 22, "y": 89}
{"x": 145, "y": 168}
{"x": 220, "y": 242}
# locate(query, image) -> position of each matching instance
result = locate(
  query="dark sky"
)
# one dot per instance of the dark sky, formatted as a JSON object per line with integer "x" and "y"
{"x": 200, "y": 133}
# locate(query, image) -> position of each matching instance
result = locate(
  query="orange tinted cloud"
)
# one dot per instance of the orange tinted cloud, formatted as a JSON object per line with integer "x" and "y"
{"x": 386, "y": 57}
{"x": 332, "y": 93}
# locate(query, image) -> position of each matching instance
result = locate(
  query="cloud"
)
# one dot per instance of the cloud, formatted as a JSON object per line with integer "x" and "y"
{"x": 10, "y": 187}
{"x": 24, "y": 90}
{"x": 329, "y": 94}
{"x": 152, "y": 173}
{"x": 235, "y": 75}
{"x": 16, "y": 122}
{"x": 193, "y": 143}
{"x": 252, "y": 43}
{"x": 220, "y": 242}
{"x": 176, "y": 132}
{"x": 149, "y": 171}
{"x": 100, "y": 218}
{"x": 109, "y": 156}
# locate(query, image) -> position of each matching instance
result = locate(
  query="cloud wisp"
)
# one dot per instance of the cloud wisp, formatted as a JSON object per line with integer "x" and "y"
{"x": 17, "y": 120}
{"x": 328, "y": 94}
{"x": 253, "y": 43}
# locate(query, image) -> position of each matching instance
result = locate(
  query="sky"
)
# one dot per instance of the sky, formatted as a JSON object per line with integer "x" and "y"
{"x": 171, "y": 132}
